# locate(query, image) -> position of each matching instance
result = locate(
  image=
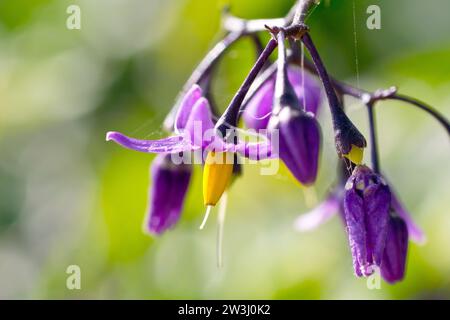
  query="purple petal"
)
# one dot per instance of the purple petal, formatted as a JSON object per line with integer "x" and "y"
{"x": 173, "y": 144}
{"x": 377, "y": 199}
{"x": 319, "y": 215}
{"x": 167, "y": 192}
{"x": 255, "y": 150}
{"x": 356, "y": 229}
{"x": 394, "y": 257}
{"x": 189, "y": 100}
{"x": 199, "y": 123}
{"x": 414, "y": 231}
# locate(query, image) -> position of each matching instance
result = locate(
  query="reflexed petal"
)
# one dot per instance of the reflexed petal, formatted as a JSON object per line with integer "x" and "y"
{"x": 199, "y": 123}
{"x": 255, "y": 150}
{"x": 319, "y": 215}
{"x": 167, "y": 192}
{"x": 415, "y": 232}
{"x": 394, "y": 257}
{"x": 186, "y": 105}
{"x": 167, "y": 145}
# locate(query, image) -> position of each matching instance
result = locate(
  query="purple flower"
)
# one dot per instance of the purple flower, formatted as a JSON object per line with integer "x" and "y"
{"x": 363, "y": 186}
{"x": 169, "y": 186}
{"x": 193, "y": 130}
{"x": 299, "y": 142}
{"x": 366, "y": 209}
{"x": 394, "y": 256}
{"x": 259, "y": 107}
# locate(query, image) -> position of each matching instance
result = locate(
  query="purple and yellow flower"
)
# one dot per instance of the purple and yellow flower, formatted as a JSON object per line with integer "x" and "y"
{"x": 193, "y": 131}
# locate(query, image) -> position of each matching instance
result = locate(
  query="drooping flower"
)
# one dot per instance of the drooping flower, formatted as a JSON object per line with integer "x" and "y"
{"x": 259, "y": 107}
{"x": 167, "y": 193}
{"x": 367, "y": 201}
{"x": 399, "y": 225}
{"x": 193, "y": 131}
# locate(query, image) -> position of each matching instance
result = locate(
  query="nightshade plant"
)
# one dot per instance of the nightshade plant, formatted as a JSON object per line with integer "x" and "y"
{"x": 282, "y": 98}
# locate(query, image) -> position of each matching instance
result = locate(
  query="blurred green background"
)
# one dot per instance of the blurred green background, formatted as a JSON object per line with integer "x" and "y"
{"x": 68, "y": 197}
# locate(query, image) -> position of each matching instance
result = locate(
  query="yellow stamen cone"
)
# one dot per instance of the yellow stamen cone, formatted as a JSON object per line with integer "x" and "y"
{"x": 216, "y": 176}
{"x": 355, "y": 155}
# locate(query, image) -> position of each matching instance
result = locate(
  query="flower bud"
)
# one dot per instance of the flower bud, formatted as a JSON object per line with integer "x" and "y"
{"x": 299, "y": 142}
{"x": 167, "y": 192}
{"x": 349, "y": 141}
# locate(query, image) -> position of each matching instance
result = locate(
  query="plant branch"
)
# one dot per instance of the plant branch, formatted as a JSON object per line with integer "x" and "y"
{"x": 422, "y": 105}
{"x": 251, "y": 26}
{"x": 322, "y": 73}
{"x": 301, "y": 11}
{"x": 237, "y": 28}
{"x": 381, "y": 94}
{"x": 346, "y": 134}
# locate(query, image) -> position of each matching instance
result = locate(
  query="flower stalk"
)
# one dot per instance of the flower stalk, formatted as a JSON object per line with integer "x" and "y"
{"x": 349, "y": 141}
{"x": 373, "y": 138}
{"x": 230, "y": 117}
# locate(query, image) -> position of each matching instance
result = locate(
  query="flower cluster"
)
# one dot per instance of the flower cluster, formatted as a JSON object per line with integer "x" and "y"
{"x": 281, "y": 101}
